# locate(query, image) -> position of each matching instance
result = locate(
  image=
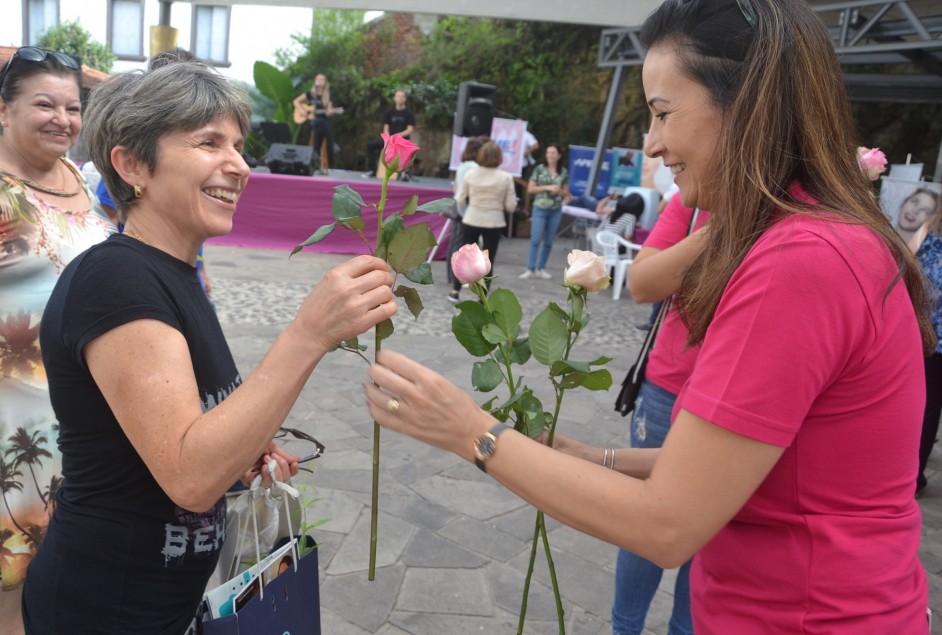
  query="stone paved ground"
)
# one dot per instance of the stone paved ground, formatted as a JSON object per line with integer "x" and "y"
{"x": 453, "y": 545}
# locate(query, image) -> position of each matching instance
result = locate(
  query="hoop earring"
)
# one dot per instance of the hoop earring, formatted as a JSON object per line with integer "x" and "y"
{"x": 138, "y": 191}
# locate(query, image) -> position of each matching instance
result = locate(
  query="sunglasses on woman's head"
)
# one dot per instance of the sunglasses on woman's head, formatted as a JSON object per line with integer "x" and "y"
{"x": 748, "y": 12}
{"x": 37, "y": 54}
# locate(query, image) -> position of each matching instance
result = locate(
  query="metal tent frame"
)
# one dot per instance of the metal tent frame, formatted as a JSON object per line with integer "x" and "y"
{"x": 864, "y": 32}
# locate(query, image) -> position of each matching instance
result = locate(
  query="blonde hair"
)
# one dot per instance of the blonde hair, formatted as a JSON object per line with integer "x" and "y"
{"x": 325, "y": 94}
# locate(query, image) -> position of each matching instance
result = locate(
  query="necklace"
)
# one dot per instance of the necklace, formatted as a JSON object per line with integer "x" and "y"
{"x": 48, "y": 190}
{"x": 134, "y": 234}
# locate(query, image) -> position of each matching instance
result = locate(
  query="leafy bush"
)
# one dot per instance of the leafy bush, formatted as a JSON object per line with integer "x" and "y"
{"x": 71, "y": 38}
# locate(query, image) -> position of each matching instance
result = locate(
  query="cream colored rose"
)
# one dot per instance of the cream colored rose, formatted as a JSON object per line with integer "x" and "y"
{"x": 587, "y": 271}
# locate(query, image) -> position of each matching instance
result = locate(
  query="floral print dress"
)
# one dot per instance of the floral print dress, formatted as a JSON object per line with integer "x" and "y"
{"x": 37, "y": 241}
{"x": 930, "y": 257}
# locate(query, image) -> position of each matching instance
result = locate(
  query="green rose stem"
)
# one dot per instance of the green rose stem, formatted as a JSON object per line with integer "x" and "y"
{"x": 577, "y": 301}
{"x": 377, "y": 343}
{"x": 403, "y": 249}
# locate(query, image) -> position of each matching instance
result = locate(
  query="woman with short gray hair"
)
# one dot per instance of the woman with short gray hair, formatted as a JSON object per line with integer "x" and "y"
{"x": 156, "y": 423}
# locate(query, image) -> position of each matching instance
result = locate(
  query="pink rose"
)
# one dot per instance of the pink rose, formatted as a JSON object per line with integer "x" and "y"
{"x": 872, "y": 162}
{"x": 470, "y": 264}
{"x": 587, "y": 271}
{"x": 397, "y": 145}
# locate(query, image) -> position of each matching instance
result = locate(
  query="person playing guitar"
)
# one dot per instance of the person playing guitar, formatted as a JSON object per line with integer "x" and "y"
{"x": 314, "y": 106}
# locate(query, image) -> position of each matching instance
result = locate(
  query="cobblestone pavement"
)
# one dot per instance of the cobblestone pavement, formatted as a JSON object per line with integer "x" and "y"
{"x": 453, "y": 546}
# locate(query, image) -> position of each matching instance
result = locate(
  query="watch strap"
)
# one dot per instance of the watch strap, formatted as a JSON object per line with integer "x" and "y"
{"x": 494, "y": 433}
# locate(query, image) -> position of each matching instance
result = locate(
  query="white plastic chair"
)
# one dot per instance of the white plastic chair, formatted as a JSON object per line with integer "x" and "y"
{"x": 607, "y": 243}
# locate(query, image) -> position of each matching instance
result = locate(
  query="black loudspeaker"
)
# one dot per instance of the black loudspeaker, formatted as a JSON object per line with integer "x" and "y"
{"x": 284, "y": 158}
{"x": 476, "y": 106}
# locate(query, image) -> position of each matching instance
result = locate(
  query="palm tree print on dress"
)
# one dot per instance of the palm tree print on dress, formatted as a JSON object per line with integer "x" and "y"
{"x": 28, "y": 450}
{"x": 9, "y": 482}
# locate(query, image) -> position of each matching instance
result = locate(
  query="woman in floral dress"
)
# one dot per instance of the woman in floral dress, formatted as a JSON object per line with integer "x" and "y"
{"x": 48, "y": 215}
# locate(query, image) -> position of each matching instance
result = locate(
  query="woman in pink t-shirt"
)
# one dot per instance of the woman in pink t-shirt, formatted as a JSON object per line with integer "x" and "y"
{"x": 790, "y": 462}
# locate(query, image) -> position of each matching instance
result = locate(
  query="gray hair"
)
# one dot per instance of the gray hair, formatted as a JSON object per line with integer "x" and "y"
{"x": 135, "y": 109}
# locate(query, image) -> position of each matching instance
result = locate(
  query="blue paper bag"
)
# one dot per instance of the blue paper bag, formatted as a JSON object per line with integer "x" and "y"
{"x": 288, "y": 605}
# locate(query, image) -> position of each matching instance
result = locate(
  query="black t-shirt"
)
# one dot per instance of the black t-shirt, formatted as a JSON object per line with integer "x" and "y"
{"x": 317, "y": 102}
{"x": 119, "y": 555}
{"x": 398, "y": 120}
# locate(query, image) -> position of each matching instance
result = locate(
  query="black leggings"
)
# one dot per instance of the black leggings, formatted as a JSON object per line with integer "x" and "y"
{"x": 490, "y": 236}
{"x": 322, "y": 130}
{"x": 373, "y": 148}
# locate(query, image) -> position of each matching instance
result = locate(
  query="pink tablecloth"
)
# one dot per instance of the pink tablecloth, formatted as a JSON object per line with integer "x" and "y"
{"x": 279, "y": 211}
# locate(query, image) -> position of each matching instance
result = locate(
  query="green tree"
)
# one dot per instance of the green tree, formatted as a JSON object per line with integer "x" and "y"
{"x": 546, "y": 73}
{"x": 71, "y": 38}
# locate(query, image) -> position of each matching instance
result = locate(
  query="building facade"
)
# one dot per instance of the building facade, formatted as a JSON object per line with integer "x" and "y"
{"x": 124, "y": 26}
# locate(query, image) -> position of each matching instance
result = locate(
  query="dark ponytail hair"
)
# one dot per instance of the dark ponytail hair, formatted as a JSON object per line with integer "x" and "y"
{"x": 632, "y": 204}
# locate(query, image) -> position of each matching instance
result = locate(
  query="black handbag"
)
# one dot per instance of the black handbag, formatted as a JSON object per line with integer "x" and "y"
{"x": 631, "y": 385}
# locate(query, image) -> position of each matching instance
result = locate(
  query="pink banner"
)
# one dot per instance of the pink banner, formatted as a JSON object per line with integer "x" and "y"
{"x": 279, "y": 211}
{"x": 508, "y": 134}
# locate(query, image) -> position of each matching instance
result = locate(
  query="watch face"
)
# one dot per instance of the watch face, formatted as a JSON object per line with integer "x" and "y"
{"x": 485, "y": 446}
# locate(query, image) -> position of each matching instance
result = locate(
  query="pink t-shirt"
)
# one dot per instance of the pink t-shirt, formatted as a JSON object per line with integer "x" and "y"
{"x": 670, "y": 361}
{"x": 809, "y": 351}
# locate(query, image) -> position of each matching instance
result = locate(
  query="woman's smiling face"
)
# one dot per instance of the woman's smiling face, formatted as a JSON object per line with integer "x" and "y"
{"x": 199, "y": 177}
{"x": 685, "y": 125}
{"x": 46, "y": 117}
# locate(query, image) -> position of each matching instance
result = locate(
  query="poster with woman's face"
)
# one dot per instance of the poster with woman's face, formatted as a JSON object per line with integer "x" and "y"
{"x": 909, "y": 204}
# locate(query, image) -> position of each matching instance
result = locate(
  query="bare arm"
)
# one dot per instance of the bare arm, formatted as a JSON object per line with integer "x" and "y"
{"x": 408, "y": 131}
{"x": 533, "y": 188}
{"x": 692, "y": 492}
{"x": 145, "y": 372}
{"x": 657, "y": 273}
{"x": 602, "y": 207}
{"x": 636, "y": 462}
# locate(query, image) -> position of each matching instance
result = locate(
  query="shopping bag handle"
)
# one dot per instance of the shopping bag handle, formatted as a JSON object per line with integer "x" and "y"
{"x": 255, "y": 490}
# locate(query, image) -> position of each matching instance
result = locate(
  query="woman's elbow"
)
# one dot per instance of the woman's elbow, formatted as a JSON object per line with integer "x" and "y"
{"x": 639, "y": 296}
{"x": 192, "y": 498}
{"x": 671, "y": 547}
{"x": 643, "y": 288}
{"x": 640, "y": 293}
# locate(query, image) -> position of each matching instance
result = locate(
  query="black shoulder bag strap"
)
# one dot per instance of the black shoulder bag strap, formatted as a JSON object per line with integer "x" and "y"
{"x": 631, "y": 385}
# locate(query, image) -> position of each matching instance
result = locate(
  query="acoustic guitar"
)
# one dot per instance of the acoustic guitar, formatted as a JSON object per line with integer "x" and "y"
{"x": 305, "y": 112}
